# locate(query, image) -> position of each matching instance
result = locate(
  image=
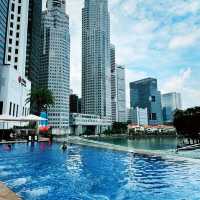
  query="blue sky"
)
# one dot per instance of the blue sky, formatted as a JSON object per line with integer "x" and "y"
{"x": 153, "y": 38}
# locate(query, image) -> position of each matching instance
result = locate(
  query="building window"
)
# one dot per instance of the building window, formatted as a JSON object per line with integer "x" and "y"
{"x": 153, "y": 116}
{"x": 9, "y": 49}
{"x": 153, "y": 98}
{"x": 9, "y": 58}
{"x": 12, "y": 16}
{"x": 18, "y": 26}
{"x": 15, "y": 67}
{"x": 17, "y": 35}
{"x": 16, "y": 51}
{"x": 10, "y": 109}
{"x": 17, "y": 43}
{"x": 18, "y": 19}
{"x": 19, "y": 9}
{"x": 16, "y": 59}
{"x": 1, "y": 107}
{"x": 10, "y": 41}
{"x": 11, "y": 24}
{"x": 17, "y": 111}
{"x": 13, "y": 110}
{"x": 13, "y": 7}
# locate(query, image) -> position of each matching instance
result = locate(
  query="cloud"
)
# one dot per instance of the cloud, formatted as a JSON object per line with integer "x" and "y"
{"x": 181, "y": 83}
{"x": 184, "y": 41}
{"x": 129, "y": 7}
{"x": 177, "y": 82}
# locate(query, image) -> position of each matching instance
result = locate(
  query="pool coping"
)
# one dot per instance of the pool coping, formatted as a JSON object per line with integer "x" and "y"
{"x": 104, "y": 145}
{"x": 7, "y": 194}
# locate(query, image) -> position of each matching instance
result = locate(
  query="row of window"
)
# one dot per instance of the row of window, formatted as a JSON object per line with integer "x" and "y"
{"x": 11, "y": 33}
{"x": 14, "y": 110}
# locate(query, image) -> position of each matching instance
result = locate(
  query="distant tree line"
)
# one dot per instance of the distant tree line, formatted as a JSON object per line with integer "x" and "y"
{"x": 187, "y": 122}
{"x": 117, "y": 128}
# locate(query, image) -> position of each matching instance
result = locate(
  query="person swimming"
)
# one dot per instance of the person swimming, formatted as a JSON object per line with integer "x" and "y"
{"x": 64, "y": 146}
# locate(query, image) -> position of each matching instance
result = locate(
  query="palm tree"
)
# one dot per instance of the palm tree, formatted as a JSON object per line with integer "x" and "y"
{"x": 40, "y": 99}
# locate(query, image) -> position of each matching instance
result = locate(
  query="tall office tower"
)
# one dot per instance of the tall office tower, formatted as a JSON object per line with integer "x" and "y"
{"x": 14, "y": 86}
{"x": 113, "y": 84}
{"x": 170, "y": 102}
{"x": 144, "y": 94}
{"x": 118, "y": 93}
{"x": 55, "y": 63}
{"x": 121, "y": 93}
{"x": 3, "y": 28}
{"x": 33, "y": 42}
{"x": 96, "y": 68}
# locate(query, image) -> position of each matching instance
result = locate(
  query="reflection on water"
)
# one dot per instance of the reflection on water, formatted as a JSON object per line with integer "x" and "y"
{"x": 148, "y": 143}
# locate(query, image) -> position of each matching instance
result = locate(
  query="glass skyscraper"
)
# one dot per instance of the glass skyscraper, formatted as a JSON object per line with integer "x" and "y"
{"x": 170, "y": 102}
{"x": 4, "y": 4}
{"x": 33, "y": 42}
{"x": 96, "y": 67}
{"x": 144, "y": 94}
{"x": 55, "y": 63}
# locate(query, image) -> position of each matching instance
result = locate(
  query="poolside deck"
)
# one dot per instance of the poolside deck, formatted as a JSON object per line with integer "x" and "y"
{"x": 7, "y": 194}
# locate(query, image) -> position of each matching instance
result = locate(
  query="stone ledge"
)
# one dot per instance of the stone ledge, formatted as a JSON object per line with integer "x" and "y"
{"x": 7, "y": 194}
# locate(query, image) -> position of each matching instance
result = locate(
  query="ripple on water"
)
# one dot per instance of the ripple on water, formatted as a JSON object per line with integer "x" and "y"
{"x": 37, "y": 192}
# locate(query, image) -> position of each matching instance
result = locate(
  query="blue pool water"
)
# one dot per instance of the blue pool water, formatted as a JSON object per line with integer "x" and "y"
{"x": 44, "y": 172}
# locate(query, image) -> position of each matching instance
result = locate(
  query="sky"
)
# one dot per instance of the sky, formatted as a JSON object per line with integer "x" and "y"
{"x": 153, "y": 38}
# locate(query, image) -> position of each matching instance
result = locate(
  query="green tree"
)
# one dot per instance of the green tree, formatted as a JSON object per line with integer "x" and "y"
{"x": 40, "y": 99}
{"x": 187, "y": 123}
{"x": 119, "y": 128}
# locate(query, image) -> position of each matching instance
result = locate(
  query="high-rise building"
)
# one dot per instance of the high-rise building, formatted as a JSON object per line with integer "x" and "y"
{"x": 96, "y": 68}
{"x": 144, "y": 94}
{"x": 113, "y": 84}
{"x": 170, "y": 103}
{"x": 55, "y": 63}
{"x": 118, "y": 93}
{"x": 33, "y": 42}
{"x": 14, "y": 86}
{"x": 3, "y": 28}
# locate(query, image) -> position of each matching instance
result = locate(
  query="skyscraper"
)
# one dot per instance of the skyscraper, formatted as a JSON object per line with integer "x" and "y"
{"x": 33, "y": 42}
{"x": 96, "y": 68}
{"x": 3, "y": 28}
{"x": 55, "y": 63}
{"x": 144, "y": 94}
{"x": 118, "y": 93}
{"x": 113, "y": 84}
{"x": 170, "y": 102}
{"x": 14, "y": 86}
{"x": 121, "y": 93}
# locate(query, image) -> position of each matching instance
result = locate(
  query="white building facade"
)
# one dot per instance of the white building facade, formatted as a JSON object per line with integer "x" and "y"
{"x": 55, "y": 63}
{"x": 118, "y": 91}
{"x": 96, "y": 68}
{"x": 14, "y": 86}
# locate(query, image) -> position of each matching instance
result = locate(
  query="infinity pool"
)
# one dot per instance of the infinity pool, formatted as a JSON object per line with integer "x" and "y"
{"x": 44, "y": 172}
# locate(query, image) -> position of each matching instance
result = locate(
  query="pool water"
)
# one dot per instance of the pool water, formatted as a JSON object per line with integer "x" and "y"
{"x": 44, "y": 172}
{"x": 147, "y": 143}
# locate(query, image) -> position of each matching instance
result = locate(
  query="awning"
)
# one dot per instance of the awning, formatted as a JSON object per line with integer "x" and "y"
{"x": 29, "y": 118}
